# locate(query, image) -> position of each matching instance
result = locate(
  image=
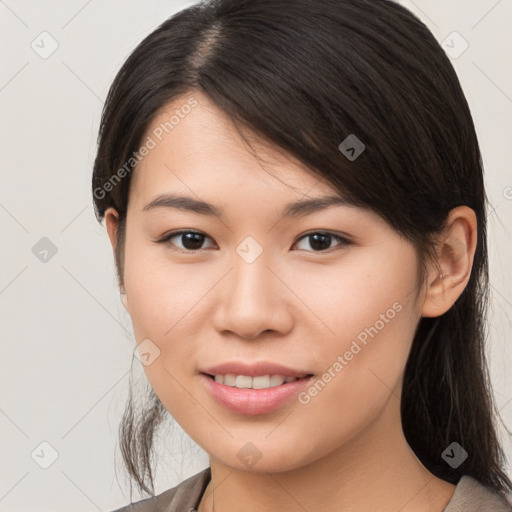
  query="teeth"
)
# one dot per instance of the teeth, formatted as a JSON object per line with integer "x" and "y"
{"x": 242, "y": 381}
{"x": 259, "y": 382}
{"x": 276, "y": 380}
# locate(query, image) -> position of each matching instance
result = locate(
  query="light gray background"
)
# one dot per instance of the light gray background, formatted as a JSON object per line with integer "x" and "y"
{"x": 66, "y": 339}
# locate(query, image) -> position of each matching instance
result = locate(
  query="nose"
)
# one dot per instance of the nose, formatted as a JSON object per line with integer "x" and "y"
{"x": 252, "y": 300}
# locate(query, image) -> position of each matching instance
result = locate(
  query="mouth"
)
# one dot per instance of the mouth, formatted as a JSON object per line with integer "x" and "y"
{"x": 261, "y": 394}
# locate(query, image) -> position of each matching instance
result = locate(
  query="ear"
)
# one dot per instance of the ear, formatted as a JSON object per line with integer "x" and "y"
{"x": 112, "y": 225}
{"x": 456, "y": 251}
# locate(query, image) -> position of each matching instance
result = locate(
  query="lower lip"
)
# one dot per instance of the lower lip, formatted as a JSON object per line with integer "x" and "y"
{"x": 254, "y": 401}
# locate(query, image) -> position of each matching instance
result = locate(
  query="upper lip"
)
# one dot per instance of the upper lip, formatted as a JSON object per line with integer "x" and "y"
{"x": 254, "y": 369}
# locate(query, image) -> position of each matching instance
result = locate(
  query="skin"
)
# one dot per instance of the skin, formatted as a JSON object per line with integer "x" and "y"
{"x": 295, "y": 305}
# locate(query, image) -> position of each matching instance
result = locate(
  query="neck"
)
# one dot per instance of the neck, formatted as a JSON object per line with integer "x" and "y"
{"x": 376, "y": 470}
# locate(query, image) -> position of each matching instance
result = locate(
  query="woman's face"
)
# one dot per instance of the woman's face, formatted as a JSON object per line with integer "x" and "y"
{"x": 257, "y": 286}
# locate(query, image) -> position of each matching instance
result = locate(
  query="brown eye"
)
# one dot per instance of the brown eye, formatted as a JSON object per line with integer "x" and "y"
{"x": 320, "y": 241}
{"x": 190, "y": 240}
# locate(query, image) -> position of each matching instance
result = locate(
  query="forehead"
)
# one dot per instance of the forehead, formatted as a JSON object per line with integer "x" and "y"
{"x": 194, "y": 144}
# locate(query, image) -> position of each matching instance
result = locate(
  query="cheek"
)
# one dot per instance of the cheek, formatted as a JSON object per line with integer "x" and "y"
{"x": 367, "y": 291}
{"x": 369, "y": 308}
{"x": 161, "y": 293}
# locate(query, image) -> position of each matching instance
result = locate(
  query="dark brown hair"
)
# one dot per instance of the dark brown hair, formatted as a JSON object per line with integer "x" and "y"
{"x": 303, "y": 75}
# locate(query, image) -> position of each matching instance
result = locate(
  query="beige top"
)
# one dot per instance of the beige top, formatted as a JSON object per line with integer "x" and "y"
{"x": 469, "y": 496}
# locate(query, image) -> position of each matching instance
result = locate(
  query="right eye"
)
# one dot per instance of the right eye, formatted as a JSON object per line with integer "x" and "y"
{"x": 191, "y": 240}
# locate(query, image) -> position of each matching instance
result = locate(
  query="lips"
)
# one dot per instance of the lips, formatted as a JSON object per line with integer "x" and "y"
{"x": 254, "y": 396}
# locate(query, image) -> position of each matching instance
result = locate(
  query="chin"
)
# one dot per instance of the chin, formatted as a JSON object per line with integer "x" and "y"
{"x": 263, "y": 457}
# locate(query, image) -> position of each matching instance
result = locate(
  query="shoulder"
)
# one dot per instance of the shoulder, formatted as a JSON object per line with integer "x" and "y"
{"x": 182, "y": 497}
{"x": 471, "y": 496}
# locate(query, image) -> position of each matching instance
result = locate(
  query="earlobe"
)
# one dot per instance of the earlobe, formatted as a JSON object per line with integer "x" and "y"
{"x": 455, "y": 259}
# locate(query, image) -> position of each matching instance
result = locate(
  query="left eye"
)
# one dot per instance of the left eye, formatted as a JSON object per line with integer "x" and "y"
{"x": 322, "y": 241}
{"x": 192, "y": 241}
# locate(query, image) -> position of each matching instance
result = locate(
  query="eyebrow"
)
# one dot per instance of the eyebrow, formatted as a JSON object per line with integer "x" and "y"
{"x": 295, "y": 209}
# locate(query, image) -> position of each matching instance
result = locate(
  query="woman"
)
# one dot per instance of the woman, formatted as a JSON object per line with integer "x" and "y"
{"x": 294, "y": 194}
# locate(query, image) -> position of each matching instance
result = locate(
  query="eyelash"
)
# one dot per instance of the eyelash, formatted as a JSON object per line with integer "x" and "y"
{"x": 167, "y": 237}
